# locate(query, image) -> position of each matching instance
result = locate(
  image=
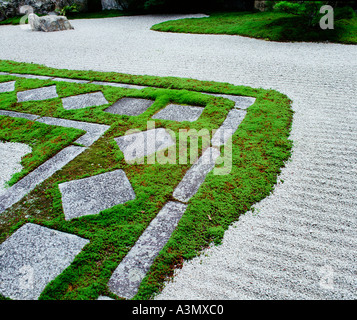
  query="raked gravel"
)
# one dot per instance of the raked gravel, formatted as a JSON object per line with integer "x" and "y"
{"x": 300, "y": 243}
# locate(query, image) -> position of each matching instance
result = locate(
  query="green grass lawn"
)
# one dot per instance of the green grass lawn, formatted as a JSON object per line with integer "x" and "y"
{"x": 273, "y": 26}
{"x": 261, "y": 146}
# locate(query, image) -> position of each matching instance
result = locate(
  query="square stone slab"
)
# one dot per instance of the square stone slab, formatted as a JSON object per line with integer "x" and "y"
{"x": 7, "y": 86}
{"x": 84, "y": 100}
{"x": 32, "y": 257}
{"x": 177, "y": 112}
{"x": 130, "y": 106}
{"x": 145, "y": 143}
{"x": 94, "y": 194}
{"x": 37, "y": 94}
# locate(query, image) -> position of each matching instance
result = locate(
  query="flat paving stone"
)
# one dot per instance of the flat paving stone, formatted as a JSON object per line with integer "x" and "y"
{"x": 196, "y": 175}
{"x": 70, "y": 80}
{"x": 179, "y": 113}
{"x": 127, "y": 277}
{"x": 15, "y": 114}
{"x": 84, "y": 100}
{"x": 30, "y": 76}
{"x": 228, "y": 127}
{"x": 32, "y": 257}
{"x": 119, "y": 85}
{"x": 37, "y": 176}
{"x": 145, "y": 143}
{"x": 241, "y": 102}
{"x": 93, "y": 130}
{"x": 94, "y": 194}
{"x": 130, "y": 106}
{"x": 43, "y": 93}
{"x": 7, "y": 86}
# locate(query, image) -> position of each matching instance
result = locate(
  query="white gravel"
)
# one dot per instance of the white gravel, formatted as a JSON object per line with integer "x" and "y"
{"x": 11, "y": 154}
{"x": 301, "y": 241}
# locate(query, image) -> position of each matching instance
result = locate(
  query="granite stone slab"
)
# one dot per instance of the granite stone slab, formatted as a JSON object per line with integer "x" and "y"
{"x": 142, "y": 144}
{"x": 228, "y": 127}
{"x": 7, "y": 86}
{"x": 14, "y": 114}
{"x": 40, "y": 174}
{"x": 43, "y": 93}
{"x": 94, "y": 194}
{"x": 119, "y": 85}
{"x": 32, "y": 257}
{"x": 179, "y": 113}
{"x": 241, "y": 102}
{"x": 196, "y": 175}
{"x": 93, "y": 130}
{"x": 130, "y": 106}
{"x": 127, "y": 277}
{"x": 84, "y": 100}
{"x": 70, "y": 80}
{"x": 30, "y": 76}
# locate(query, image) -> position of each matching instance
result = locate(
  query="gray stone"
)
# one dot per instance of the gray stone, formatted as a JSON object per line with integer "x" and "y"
{"x": 14, "y": 114}
{"x": 119, "y": 85}
{"x": 30, "y": 76}
{"x": 127, "y": 277}
{"x": 43, "y": 93}
{"x": 93, "y": 130}
{"x": 7, "y": 86}
{"x": 130, "y": 106}
{"x": 104, "y": 298}
{"x": 32, "y": 257}
{"x": 177, "y": 112}
{"x": 241, "y": 102}
{"x": 71, "y": 80}
{"x": 48, "y": 23}
{"x": 228, "y": 127}
{"x": 196, "y": 175}
{"x": 40, "y": 174}
{"x": 94, "y": 194}
{"x": 138, "y": 145}
{"x": 84, "y": 100}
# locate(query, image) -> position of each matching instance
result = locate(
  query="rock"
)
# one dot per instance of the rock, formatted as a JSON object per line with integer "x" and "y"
{"x": 48, "y": 23}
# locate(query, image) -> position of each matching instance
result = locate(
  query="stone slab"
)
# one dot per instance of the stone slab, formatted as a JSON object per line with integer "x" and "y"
{"x": 130, "y": 106}
{"x": 32, "y": 257}
{"x": 84, "y": 100}
{"x": 241, "y": 102}
{"x": 119, "y": 85}
{"x": 40, "y": 174}
{"x": 228, "y": 127}
{"x": 127, "y": 277}
{"x": 7, "y": 86}
{"x": 94, "y": 194}
{"x": 14, "y": 114}
{"x": 196, "y": 175}
{"x": 145, "y": 143}
{"x": 43, "y": 93}
{"x": 104, "y": 298}
{"x": 30, "y": 76}
{"x": 94, "y": 130}
{"x": 179, "y": 113}
{"x": 70, "y": 80}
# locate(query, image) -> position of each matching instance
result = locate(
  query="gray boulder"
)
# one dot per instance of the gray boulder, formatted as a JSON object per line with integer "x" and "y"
{"x": 48, "y": 23}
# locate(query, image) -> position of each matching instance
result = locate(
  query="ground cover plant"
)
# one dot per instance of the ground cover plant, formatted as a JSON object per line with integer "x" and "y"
{"x": 273, "y": 26}
{"x": 261, "y": 146}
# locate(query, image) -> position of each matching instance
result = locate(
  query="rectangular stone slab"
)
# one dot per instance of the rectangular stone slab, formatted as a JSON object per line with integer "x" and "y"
{"x": 70, "y": 80}
{"x": 119, "y": 85}
{"x": 84, "y": 101}
{"x": 43, "y": 93}
{"x": 32, "y": 257}
{"x": 94, "y": 194}
{"x": 7, "y": 86}
{"x": 130, "y": 106}
{"x": 15, "y": 114}
{"x": 196, "y": 175}
{"x": 179, "y": 113}
{"x": 126, "y": 279}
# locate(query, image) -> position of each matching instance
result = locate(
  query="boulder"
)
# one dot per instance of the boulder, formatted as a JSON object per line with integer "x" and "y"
{"x": 48, "y": 23}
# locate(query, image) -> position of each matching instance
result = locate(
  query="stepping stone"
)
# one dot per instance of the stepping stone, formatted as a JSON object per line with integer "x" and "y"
{"x": 177, "y": 112}
{"x": 14, "y": 114}
{"x": 130, "y": 106}
{"x": 32, "y": 257}
{"x": 70, "y": 80}
{"x": 40, "y": 174}
{"x": 241, "y": 102}
{"x": 228, "y": 127}
{"x": 142, "y": 144}
{"x": 7, "y": 86}
{"x": 196, "y": 175}
{"x": 94, "y": 130}
{"x": 119, "y": 85}
{"x": 127, "y": 277}
{"x": 94, "y": 194}
{"x": 43, "y": 93}
{"x": 84, "y": 100}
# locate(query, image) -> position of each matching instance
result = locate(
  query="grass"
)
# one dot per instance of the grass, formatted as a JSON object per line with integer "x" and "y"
{"x": 261, "y": 146}
{"x": 272, "y": 26}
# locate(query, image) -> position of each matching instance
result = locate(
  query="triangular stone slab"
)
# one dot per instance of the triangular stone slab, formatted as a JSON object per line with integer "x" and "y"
{"x": 7, "y": 86}
{"x": 84, "y": 100}
{"x": 32, "y": 257}
{"x": 43, "y": 93}
{"x": 179, "y": 113}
